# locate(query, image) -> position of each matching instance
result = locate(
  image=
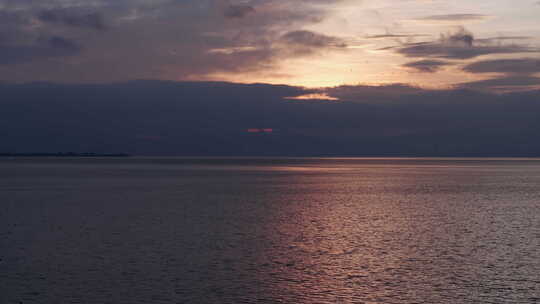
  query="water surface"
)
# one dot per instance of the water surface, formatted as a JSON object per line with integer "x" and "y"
{"x": 173, "y": 230}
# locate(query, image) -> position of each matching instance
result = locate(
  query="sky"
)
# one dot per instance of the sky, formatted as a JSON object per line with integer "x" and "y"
{"x": 491, "y": 45}
{"x": 271, "y": 77}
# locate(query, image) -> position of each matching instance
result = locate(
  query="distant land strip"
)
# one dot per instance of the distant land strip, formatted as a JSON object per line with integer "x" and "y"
{"x": 64, "y": 154}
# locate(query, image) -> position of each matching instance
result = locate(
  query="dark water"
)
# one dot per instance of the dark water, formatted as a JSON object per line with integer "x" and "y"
{"x": 269, "y": 231}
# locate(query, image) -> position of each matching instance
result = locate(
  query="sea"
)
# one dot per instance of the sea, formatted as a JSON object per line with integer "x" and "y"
{"x": 140, "y": 230}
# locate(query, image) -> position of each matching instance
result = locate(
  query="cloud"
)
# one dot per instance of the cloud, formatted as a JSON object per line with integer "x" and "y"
{"x": 505, "y": 66}
{"x": 211, "y": 118}
{"x": 166, "y": 39}
{"x": 385, "y": 36}
{"x": 511, "y": 83}
{"x": 453, "y": 18}
{"x": 459, "y": 38}
{"x": 261, "y": 56}
{"x": 238, "y": 11}
{"x": 369, "y": 94}
{"x": 458, "y": 45}
{"x": 55, "y": 46}
{"x": 427, "y": 66}
{"x": 305, "y": 43}
{"x": 312, "y": 39}
{"x": 92, "y": 20}
{"x": 458, "y": 52}
{"x": 503, "y": 38}
{"x": 517, "y": 74}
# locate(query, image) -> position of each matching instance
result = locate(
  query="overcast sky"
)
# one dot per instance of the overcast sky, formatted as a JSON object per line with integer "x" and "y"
{"x": 490, "y": 45}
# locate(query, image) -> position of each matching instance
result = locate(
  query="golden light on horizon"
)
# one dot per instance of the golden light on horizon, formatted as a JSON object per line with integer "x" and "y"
{"x": 313, "y": 96}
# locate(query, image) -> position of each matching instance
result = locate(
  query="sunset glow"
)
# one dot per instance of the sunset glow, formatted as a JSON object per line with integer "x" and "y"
{"x": 315, "y": 96}
{"x": 303, "y": 43}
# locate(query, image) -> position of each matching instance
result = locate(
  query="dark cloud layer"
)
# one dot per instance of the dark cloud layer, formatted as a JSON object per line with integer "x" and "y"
{"x": 168, "y": 118}
{"x": 372, "y": 94}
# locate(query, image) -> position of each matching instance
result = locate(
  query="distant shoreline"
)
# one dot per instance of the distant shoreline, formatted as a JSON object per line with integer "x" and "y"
{"x": 64, "y": 154}
{"x": 204, "y": 157}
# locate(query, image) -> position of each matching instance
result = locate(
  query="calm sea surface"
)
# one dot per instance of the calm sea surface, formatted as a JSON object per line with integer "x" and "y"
{"x": 172, "y": 230}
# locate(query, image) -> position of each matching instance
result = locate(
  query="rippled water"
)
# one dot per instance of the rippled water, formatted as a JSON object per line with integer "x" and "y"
{"x": 269, "y": 231}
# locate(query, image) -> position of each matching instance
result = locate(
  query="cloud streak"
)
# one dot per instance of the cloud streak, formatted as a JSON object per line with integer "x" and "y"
{"x": 458, "y": 45}
{"x": 510, "y": 83}
{"x": 311, "y": 39}
{"x": 505, "y": 66}
{"x": 453, "y": 18}
{"x": 427, "y": 66}
{"x": 516, "y": 74}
